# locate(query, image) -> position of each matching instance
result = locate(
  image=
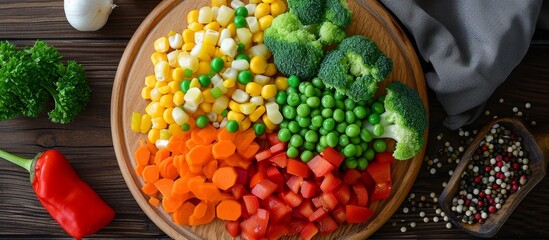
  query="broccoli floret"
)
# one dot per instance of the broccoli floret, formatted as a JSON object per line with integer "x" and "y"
{"x": 330, "y": 33}
{"x": 354, "y": 64}
{"x": 308, "y": 11}
{"x": 295, "y": 50}
{"x": 338, "y": 13}
{"x": 404, "y": 120}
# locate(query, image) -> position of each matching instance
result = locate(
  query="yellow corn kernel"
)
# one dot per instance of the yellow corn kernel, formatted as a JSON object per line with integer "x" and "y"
{"x": 208, "y": 96}
{"x": 270, "y": 70}
{"x": 194, "y": 83}
{"x": 278, "y": 7}
{"x": 160, "y": 84}
{"x": 281, "y": 83}
{"x": 173, "y": 57}
{"x": 154, "y": 134}
{"x": 254, "y": 89}
{"x": 232, "y": 28}
{"x": 167, "y": 115}
{"x": 269, "y": 1}
{"x": 193, "y": 97}
{"x": 145, "y": 123}
{"x": 246, "y": 123}
{"x": 268, "y": 91}
{"x": 174, "y": 86}
{"x": 164, "y": 90}
{"x": 166, "y": 101}
{"x": 270, "y": 125}
{"x": 257, "y": 113}
{"x": 218, "y": 3}
{"x": 234, "y": 106}
{"x": 158, "y": 56}
{"x": 188, "y": 46}
{"x": 258, "y": 64}
{"x": 162, "y": 71}
{"x": 258, "y": 37}
{"x": 150, "y": 81}
{"x": 262, "y": 9}
{"x": 155, "y": 94}
{"x": 232, "y": 115}
{"x": 206, "y": 107}
{"x": 178, "y": 98}
{"x": 155, "y": 110}
{"x": 136, "y": 121}
{"x": 192, "y": 17}
{"x": 171, "y": 33}
{"x": 188, "y": 36}
{"x": 165, "y": 134}
{"x": 162, "y": 44}
{"x": 203, "y": 68}
{"x": 196, "y": 27}
{"x": 255, "y": 1}
{"x": 212, "y": 26}
{"x": 158, "y": 122}
{"x": 229, "y": 83}
{"x": 177, "y": 74}
{"x": 247, "y": 108}
{"x": 265, "y": 22}
{"x": 218, "y": 53}
{"x": 146, "y": 92}
{"x": 210, "y": 49}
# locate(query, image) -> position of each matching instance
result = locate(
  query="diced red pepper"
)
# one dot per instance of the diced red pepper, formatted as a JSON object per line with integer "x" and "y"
{"x": 251, "y": 202}
{"x": 276, "y": 231}
{"x": 343, "y": 193}
{"x": 263, "y": 155}
{"x": 309, "y": 231}
{"x": 238, "y": 190}
{"x": 276, "y": 177}
{"x": 320, "y": 166}
{"x": 317, "y": 214}
{"x": 380, "y": 171}
{"x": 316, "y": 202}
{"x": 306, "y": 208}
{"x": 361, "y": 194}
{"x": 308, "y": 189}
{"x": 273, "y": 138}
{"x": 242, "y": 176}
{"x": 280, "y": 159}
{"x": 333, "y": 156}
{"x": 258, "y": 177}
{"x": 233, "y": 227}
{"x": 328, "y": 201}
{"x": 292, "y": 199}
{"x": 356, "y": 214}
{"x": 296, "y": 226}
{"x": 385, "y": 157}
{"x": 327, "y": 224}
{"x": 382, "y": 191}
{"x": 264, "y": 189}
{"x": 351, "y": 176}
{"x": 339, "y": 214}
{"x": 256, "y": 225}
{"x": 277, "y": 208}
{"x": 279, "y": 147}
{"x": 368, "y": 181}
{"x": 297, "y": 168}
{"x": 329, "y": 183}
{"x": 294, "y": 183}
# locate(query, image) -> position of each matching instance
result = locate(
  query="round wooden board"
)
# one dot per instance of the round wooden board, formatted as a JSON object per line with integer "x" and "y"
{"x": 369, "y": 19}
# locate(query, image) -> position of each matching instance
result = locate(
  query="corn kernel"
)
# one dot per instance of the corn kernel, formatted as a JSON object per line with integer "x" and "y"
{"x": 155, "y": 94}
{"x": 271, "y": 70}
{"x": 229, "y": 47}
{"x": 177, "y": 74}
{"x": 278, "y": 7}
{"x": 255, "y": 1}
{"x": 164, "y": 89}
{"x": 212, "y": 26}
{"x": 237, "y": 3}
{"x": 262, "y": 79}
{"x": 203, "y": 68}
{"x": 188, "y": 36}
{"x": 171, "y": 33}
{"x": 158, "y": 56}
{"x": 160, "y": 84}
{"x": 260, "y": 49}
{"x": 254, "y": 89}
{"x": 162, "y": 44}
{"x": 211, "y": 37}
{"x": 257, "y": 113}
{"x": 240, "y": 96}
{"x": 212, "y": 116}
{"x": 199, "y": 37}
{"x": 265, "y": 22}
{"x": 194, "y": 83}
{"x": 154, "y": 109}
{"x": 195, "y": 27}
{"x": 268, "y": 91}
{"x": 153, "y": 135}
{"x": 179, "y": 116}
{"x": 258, "y": 64}
{"x": 233, "y": 115}
{"x": 262, "y": 9}
{"x": 150, "y": 81}
{"x": 223, "y": 34}
{"x": 232, "y": 28}
{"x": 136, "y": 121}
{"x": 206, "y": 107}
{"x": 188, "y": 47}
{"x": 270, "y": 125}
{"x": 247, "y": 108}
{"x": 192, "y": 16}
{"x": 164, "y": 135}
{"x": 240, "y": 64}
{"x": 220, "y": 104}
{"x": 194, "y": 96}
{"x": 224, "y": 15}
{"x": 146, "y": 92}
{"x": 190, "y": 109}
{"x": 167, "y": 115}
{"x": 178, "y": 98}
{"x": 234, "y": 106}
{"x": 258, "y": 101}
{"x": 269, "y": 1}
{"x": 252, "y": 24}
{"x": 176, "y": 41}
{"x": 166, "y": 101}
{"x": 162, "y": 71}
{"x": 244, "y": 36}
{"x": 246, "y": 123}
{"x": 229, "y": 83}
{"x": 146, "y": 123}
{"x": 258, "y": 37}
{"x": 208, "y": 96}
{"x": 188, "y": 62}
{"x": 281, "y": 83}
{"x": 205, "y": 15}
{"x": 219, "y": 3}
{"x": 173, "y": 57}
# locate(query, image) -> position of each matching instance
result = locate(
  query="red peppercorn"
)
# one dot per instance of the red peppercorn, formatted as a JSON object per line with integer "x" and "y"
{"x": 492, "y": 209}
{"x": 487, "y": 169}
{"x": 499, "y": 164}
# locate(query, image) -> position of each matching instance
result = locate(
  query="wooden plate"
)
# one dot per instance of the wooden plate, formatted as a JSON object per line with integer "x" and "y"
{"x": 369, "y": 19}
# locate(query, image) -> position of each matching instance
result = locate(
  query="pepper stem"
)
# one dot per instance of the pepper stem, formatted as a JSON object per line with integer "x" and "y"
{"x": 19, "y": 161}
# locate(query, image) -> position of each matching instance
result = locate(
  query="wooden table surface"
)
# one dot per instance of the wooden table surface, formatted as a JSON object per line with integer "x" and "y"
{"x": 87, "y": 141}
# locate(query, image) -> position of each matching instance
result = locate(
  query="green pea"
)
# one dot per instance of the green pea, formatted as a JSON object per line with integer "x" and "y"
{"x": 364, "y": 146}
{"x": 374, "y": 118}
{"x": 329, "y": 124}
{"x": 340, "y": 128}
{"x": 323, "y": 131}
{"x": 319, "y": 148}
{"x": 359, "y": 150}
{"x": 361, "y": 112}
{"x": 349, "y": 150}
{"x": 232, "y": 126}
{"x": 302, "y": 87}
{"x": 313, "y": 102}
{"x": 202, "y": 121}
{"x": 296, "y": 140}
{"x": 362, "y": 163}
{"x": 327, "y": 113}
{"x": 378, "y": 130}
{"x": 243, "y": 56}
{"x": 291, "y": 90}
{"x": 365, "y": 135}
{"x": 322, "y": 140}
{"x": 224, "y": 112}
{"x": 378, "y": 108}
{"x": 241, "y": 47}
{"x": 318, "y": 92}
{"x": 244, "y": 77}
{"x": 370, "y": 154}
{"x": 204, "y": 80}
{"x": 309, "y": 146}
{"x": 303, "y": 110}
{"x": 328, "y": 101}
{"x": 241, "y": 11}
{"x": 289, "y": 112}
{"x": 292, "y": 152}
{"x": 352, "y": 130}
{"x": 284, "y": 123}
{"x": 294, "y": 127}
{"x": 339, "y": 115}
{"x": 311, "y": 136}
{"x": 302, "y": 132}
{"x": 306, "y": 156}
{"x": 303, "y": 122}
{"x": 344, "y": 140}
{"x": 293, "y": 99}
{"x": 280, "y": 98}
{"x": 315, "y": 112}
{"x": 351, "y": 163}
{"x": 317, "y": 121}
{"x": 317, "y": 82}
{"x": 340, "y": 104}
{"x": 185, "y": 85}
{"x": 240, "y": 21}
{"x": 349, "y": 104}
{"x": 356, "y": 140}
{"x": 217, "y": 64}
{"x": 185, "y": 127}
{"x": 309, "y": 91}
{"x": 339, "y": 96}
{"x": 303, "y": 98}
{"x": 380, "y": 145}
{"x": 332, "y": 139}
{"x": 259, "y": 128}
{"x": 293, "y": 81}
{"x": 350, "y": 117}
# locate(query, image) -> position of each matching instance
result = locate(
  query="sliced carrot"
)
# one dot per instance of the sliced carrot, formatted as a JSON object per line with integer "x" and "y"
{"x": 150, "y": 174}
{"x": 198, "y": 156}
{"x": 190, "y": 144}
{"x": 161, "y": 155}
{"x": 249, "y": 152}
{"x": 167, "y": 169}
{"x": 209, "y": 215}
{"x": 182, "y": 214}
{"x": 224, "y": 135}
{"x": 180, "y": 164}
{"x": 233, "y": 160}
{"x": 170, "y": 205}
{"x": 207, "y": 134}
{"x": 244, "y": 139}
{"x": 149, "y": 189}
{"x": 225, "y": 177}
{"x": 152, "y": 148}
{"x": 139, "y": 169}
{"x": 200, "y": 209}
{"x": 142, "y": 155}
{"x": 193, "y": 184}
{"x": 225, "y": 196}
{"x": 180, "y": 185}
{"x": 223, "y": 149}
{"x": 208, "y": 191}
{"x": 197, "y": 139}
{"x": 229, "y": 210}
{"x": 176, "y": 147}
{"x": 210, "y": 169}
{"x": 154, "y": 201}
{"x": 165, "y": 186}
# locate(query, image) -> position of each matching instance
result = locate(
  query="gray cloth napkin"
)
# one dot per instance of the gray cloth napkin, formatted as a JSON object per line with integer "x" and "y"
{"x": 472, "y": 45}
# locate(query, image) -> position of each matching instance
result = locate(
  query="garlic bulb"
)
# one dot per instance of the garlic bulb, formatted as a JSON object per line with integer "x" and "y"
{"x": 88, "y": 15}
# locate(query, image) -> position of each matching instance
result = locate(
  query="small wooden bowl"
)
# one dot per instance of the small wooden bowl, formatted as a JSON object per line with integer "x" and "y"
{"x": 538, "y": 165}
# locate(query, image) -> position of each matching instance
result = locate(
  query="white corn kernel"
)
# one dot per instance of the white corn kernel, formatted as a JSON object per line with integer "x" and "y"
{"x": 189, "y": 108}
{"x": 240, "y": 96}
{"x": 262, "y": 79}
{"x": 275, "y": 117}
{"x": 229, "y": 47}
{"x": 176, "y": 41}
{"x": 216, "y": 79}
{"x": 271, "y": 107}
{"x": 212, "y": 116}
{"x": 221, "y": 87}
{"x": 252, "y": 24}
{"x": 193, "y": 97}
{"x": 224, "y": 15}
{"x": 188, "y": 62}
{"x": 199, "y": 37}
{"x": 244, "y": 35}
{"x": 179, "y": 116}
{"x": 220, "y": 104}
{"x": 230, "y": 73}
{"x": 251, "y": 8}
{"x": 205, "y": 15}
{"x": 224, "y": 34}
{"x": 236, "y": 3}
{"x": 161, "y": 143}
{"x": 161, "y": 71}
{"x": 259, "y": 50}
{"x": 223, "y": 122}
{"x": 215, "y": 11}
{"x": 240, "y": 64}
{"x": 258, "y": 101}
{"x": 173, "y": 58}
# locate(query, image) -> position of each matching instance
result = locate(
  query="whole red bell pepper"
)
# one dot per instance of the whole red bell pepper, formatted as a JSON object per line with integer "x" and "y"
{"x": 68, "y": 199}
